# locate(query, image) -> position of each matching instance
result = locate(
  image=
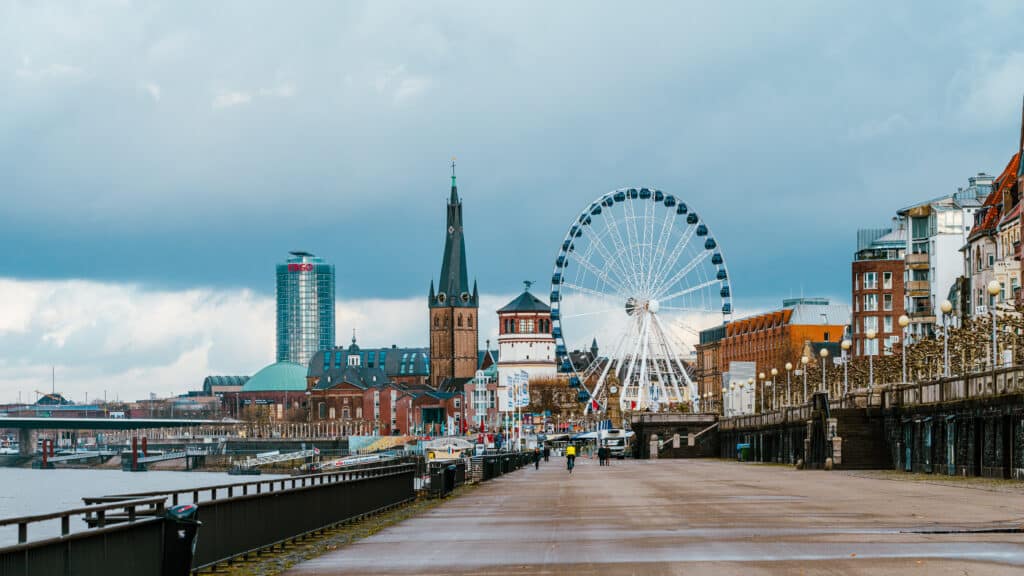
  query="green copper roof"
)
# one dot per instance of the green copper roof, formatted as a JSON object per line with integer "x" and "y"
{"x": 279, "y": 377}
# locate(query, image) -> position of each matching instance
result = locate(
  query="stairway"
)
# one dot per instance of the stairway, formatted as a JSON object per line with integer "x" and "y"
{"x": 864, "y": 445}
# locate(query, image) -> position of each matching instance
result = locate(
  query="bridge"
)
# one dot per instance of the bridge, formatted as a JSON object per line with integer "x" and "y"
{"x": 28, "y": 426}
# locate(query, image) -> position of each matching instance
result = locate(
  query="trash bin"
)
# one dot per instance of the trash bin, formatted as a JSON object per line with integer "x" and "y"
{"x": 180, "y": 529}
{"x": 743, "y": 452}
{"x": 449, "y": 478}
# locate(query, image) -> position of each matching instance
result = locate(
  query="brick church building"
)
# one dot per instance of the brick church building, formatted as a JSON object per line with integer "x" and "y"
{"x": 454, "y": 310}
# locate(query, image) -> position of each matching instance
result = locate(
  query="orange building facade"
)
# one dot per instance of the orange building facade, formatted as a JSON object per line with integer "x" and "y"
{"x": 774, "y": 338}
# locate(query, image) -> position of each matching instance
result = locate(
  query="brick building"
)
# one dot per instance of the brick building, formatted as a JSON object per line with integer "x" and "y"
{"x": 524, "y": 338}
{"x": 877, "y": 290}
{"x": 773, "y": 338}
{"x": 454, "y": 308}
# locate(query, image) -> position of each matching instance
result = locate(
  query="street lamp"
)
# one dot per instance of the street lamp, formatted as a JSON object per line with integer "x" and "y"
{"x": 753, "y": 391}
{"x": 804, "y": 360}
{"x": 846, "y": 381}
{"x": 723, "y": 401}
{"x": 946, "y": 308}
{"x": 994, "y": 288}
{"x": 789, "y": 396}
{"x": 761, "y": 376}
{"x": 775, "y": 372}
{"x": 732, "y": 398}
{"x": 871, "y": 335}
{"x": 904, "y": 322}
{"x": 824, "y": 367}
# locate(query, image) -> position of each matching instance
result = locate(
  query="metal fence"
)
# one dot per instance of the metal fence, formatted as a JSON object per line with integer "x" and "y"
{"x": 131, "y": 543}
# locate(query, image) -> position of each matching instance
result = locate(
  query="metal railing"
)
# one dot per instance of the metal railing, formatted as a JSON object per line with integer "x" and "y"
{"x": 93, "y": 515}
{"x": 975, "y": 386}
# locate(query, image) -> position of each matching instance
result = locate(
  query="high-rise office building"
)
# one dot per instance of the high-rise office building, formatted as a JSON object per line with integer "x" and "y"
{"x": 305, "y": 307}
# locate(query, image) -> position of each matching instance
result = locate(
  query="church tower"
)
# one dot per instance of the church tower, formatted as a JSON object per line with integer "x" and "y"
{"x": 454, "y": 308}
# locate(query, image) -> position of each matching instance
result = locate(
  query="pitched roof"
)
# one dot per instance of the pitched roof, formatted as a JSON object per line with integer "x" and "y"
{"x": 1003, "y": 183}
{"x": 358, "y": 376}
{"x": 526, "y": 302}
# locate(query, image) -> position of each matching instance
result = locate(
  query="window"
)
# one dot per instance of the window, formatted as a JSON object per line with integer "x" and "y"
{"x": 322, "y": 410}
{"x": 370, "y": 359}
{"x": 470, "y": 320}
{"x": 887, "y": 302}
{"x": 337, "y": 359}
{"x": 437, "y": 322}
{"x": 870, "y": 302}
{"x": 826, "y": 336}
{"x": 460, "y": 320}
{"x": 871, "y": 323}
{"x": 887, "y": 324}
{"x": 526, "y": 326}
{"x": 870, "y": 280}
{"x": 887, "y": 280}
{"x": 991, "y": 259}
{"x": 332, "y": 412}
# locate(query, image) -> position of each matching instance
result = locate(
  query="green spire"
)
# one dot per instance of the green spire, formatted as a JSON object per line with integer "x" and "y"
{"x": 453, "y": 172}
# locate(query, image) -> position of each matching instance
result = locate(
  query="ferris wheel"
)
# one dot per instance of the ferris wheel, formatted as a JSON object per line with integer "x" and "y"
{"x": 636, "y": 268}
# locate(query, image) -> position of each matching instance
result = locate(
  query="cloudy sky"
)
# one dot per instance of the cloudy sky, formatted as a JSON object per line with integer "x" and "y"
{"x": 157, "y": 158}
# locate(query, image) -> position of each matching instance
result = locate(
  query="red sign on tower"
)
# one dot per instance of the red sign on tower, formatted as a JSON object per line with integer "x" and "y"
{"x": 300, "y": 267}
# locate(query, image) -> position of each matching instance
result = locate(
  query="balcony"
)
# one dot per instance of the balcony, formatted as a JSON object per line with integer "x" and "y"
{"x": 918, "y": 287}
{"x": 917, "y": 261}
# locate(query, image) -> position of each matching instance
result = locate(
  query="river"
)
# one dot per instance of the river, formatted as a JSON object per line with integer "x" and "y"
{"x": 25, "y": 491}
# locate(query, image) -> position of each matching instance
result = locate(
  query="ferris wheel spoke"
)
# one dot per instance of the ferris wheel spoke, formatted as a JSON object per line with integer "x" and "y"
{"x": 663, "y": 307}
{"x": 585, "y": 290}
{"x": 682, "y": 369}
{"x": 594, "y": 313}
{"x": 613, "y": 264}
{"x": 637, "y": 251}
{"x": 615, "y": 233}
{"x": 600, "y": 273}
{"x": 628, "y": 247}
{"x": 659, "y": 249}
{"x": 678, "y": 250}
{"x": 682, "y": 273}
{"x": 666, "y": 347}
{"x": 599, "y": 386}
{"x": 689, "y": 290}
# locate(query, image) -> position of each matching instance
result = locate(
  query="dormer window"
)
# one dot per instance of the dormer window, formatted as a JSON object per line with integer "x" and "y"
{"x": 353, "y": 360}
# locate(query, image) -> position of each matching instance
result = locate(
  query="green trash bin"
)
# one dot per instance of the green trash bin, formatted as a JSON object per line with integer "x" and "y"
{"x": 743, "y": 452}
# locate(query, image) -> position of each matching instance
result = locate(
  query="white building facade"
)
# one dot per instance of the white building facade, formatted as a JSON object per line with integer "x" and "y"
{"x": 937, "y": 230}
{"x": 524, "y": 339}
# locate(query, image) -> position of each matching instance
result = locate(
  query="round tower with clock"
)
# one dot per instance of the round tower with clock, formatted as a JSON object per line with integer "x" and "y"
{"x": 454, "y": 308}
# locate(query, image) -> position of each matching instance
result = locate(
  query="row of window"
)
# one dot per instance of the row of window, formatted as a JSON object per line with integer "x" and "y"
{"x": 870, "y": 281}
{"x": 458, "y": 322}
{"x": 871, "y": 303}
{"x": 527, "y": 326}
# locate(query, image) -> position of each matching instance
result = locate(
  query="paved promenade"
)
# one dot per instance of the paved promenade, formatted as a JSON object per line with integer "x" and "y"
{"x": 696, "y": 517}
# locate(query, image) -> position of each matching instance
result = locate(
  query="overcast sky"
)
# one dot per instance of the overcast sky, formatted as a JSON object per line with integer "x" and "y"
{"x": 166, "y": 154}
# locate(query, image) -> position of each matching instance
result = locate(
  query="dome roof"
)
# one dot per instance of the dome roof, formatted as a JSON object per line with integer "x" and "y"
{"x": 279, "y": 377}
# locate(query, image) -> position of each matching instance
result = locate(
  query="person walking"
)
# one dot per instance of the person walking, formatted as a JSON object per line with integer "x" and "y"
{"x": 570, "y": 457}
{"x": 547, "y": 452}
{"x": 536, "y": 458}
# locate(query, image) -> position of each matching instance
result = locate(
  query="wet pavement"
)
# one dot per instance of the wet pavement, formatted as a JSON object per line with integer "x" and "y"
{"x": 696, "y": 517}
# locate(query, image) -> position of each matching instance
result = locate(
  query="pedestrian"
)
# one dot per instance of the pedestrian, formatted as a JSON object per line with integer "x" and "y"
{"x": 570, "y": 457}
{"x": 547, "y": 452}
{"x": 536, "y": 458}
{"x": 602, "y": 455}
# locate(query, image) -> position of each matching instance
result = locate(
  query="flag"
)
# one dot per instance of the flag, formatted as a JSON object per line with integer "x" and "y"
{"x": 595, "y": 405}
{"x": 316, "y": 451}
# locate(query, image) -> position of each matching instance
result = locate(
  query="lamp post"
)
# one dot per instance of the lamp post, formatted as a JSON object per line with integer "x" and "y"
{"x": 732, "y": 398}
{"x": 946, "y": 308}
{"x": 904, "y": 321}
{"x": 846, "y": 373}
{"x": 723, "y": 401}
{"x": 761, "y": 376}
{"x": 804, "y": 361}
{"x": 775, "y": 372}
{"x": 753, "y": 393}
{"x": 871, "y": 335}
{"x": 824, "y": 367}
{"x": 789, "y": 395}
{"x": 994, "y": 288}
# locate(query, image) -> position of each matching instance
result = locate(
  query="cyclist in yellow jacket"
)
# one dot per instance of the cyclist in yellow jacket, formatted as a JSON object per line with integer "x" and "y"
{"x": 570, "y": 457}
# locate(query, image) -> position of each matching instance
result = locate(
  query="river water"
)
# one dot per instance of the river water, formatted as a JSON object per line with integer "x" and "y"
{"x": 26, "y": 491}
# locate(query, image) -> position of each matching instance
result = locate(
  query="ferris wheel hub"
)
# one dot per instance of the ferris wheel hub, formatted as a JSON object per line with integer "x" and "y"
{"x": 653, "y": 306}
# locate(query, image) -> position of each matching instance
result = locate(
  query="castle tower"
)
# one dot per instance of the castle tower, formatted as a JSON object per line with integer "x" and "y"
{"x": 453, "y": 307}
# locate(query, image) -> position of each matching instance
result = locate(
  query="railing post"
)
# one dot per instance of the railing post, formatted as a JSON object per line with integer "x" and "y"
{"x": 22, "y": 532}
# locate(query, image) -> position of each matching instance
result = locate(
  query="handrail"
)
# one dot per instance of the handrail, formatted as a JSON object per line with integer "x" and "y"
{"x": 295, "y": 481}
{"x": 156, "y": 505}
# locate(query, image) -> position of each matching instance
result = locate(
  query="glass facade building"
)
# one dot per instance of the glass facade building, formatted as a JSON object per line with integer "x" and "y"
{"x": 305, "y": 307}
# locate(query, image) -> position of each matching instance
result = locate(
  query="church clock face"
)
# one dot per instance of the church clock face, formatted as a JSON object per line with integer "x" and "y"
{"x": 441, "y": 297}
{"x": 451, "y": 229}
{"x": 464, "y": 297}
{"x": 614, "y": 389}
